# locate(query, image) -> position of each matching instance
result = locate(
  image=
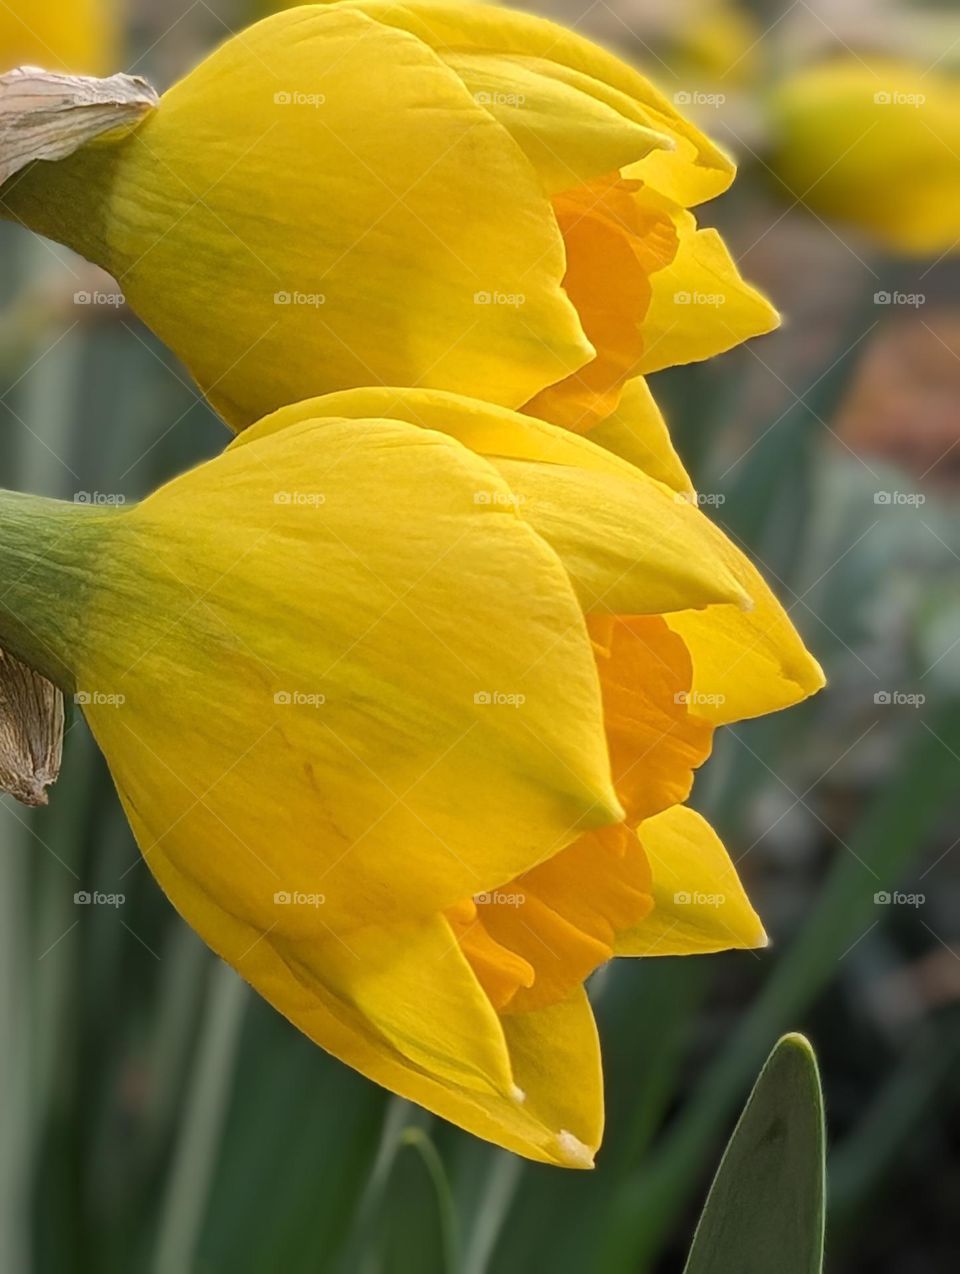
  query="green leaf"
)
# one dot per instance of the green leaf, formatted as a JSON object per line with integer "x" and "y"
{"x": 888, "y": 835}
{"x": 765, "y": 1207}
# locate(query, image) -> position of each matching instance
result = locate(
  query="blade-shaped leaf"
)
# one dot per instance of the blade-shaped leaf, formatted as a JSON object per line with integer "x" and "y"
{"x": 765, "y": 1207}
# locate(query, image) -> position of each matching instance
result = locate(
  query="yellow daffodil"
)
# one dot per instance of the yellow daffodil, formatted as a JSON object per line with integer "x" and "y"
{"x": 875, "y": 143}
{"x": 440, "y": 195}
{"x": 79, "y": 36}
{"x": 403, "y": 695}
{"x": 717, "y": 43}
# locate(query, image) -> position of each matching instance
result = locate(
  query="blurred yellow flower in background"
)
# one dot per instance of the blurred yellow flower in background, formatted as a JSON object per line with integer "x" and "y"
{"x": 60, "y": 35}
{"x": 445, "y": 195}
{"x": 718, "y": 42}
{"x": 854, "y": 107}
{"x": 875, "y": 143}
{"x": 403, "y": 695}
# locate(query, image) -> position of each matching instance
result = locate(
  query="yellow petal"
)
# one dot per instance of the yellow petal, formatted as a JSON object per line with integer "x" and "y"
{"x": 568, "y": 134}
{"x": 699, "y": 904}
{"x": 630, "y": 546}
{"x": 323, "y": 600}
{"x": 701, "y": 305}
{"x": 748, "y": 659}
{"x": 531, "y": 942}
{"x": 874, "y": 142}
{"x": 482, "y": 426}
{"x": 556, "y": 1063}
{"x": 637, "y": 431}
{"x": 552, "y": 1056}
{"x": 291, "y": 220}
{"x": 414, "y": 988}
{"x": 695, "y": 171}
{"x": 745, "y": 663}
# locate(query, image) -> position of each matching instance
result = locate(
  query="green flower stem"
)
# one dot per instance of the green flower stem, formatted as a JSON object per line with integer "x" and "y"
{"x": 59, "y": 200}
{"x": 418, "y": 1140}
{"x": 48, "y": 555}
{"x": 199, "y": 1142}
{"x": 16, "y": 969}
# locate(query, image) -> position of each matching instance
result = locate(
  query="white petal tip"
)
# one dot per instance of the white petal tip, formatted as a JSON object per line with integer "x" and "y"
{"x": 572, "y": 1150}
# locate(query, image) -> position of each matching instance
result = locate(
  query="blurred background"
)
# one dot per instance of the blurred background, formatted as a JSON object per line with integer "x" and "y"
{"x": 160, "y": 1118}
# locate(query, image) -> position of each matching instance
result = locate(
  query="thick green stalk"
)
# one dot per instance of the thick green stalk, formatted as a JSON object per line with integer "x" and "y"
{"x": 48, "y": 555}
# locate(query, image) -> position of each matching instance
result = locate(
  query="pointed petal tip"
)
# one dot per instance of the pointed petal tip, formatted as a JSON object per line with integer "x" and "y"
{"x": 817, "y": 678}
{"x": 749, "y": 933}
{"x": 604, "y": 808}
{"x": 807, "y": 676}
{"x": 730, "y": 592}
{"x": 573, "y": 1152}
{"x": 737, "y": 595}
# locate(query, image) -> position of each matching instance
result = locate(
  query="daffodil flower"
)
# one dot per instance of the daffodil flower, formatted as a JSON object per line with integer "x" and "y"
{"x": 874, "y": 142}
{"x": 403, "y": 695}
{"x": 440, "y": 195}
